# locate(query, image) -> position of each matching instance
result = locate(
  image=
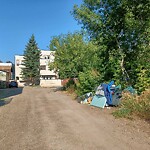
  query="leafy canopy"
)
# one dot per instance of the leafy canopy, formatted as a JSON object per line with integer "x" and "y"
{"x": 122, "y": 30}
{"x": 73, "y": 54}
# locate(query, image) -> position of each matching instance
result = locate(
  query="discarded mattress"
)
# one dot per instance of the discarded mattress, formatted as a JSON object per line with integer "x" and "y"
{"x": 99, "y": 101}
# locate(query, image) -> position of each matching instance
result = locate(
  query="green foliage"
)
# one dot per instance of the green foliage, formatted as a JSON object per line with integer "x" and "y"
{"x": 31, "y": 63}
{"x": 122, "y": 30}
{"x": 73, "y": 53}
{"x": 117, "y": 45}
{"x": 143, "y": 80}
{"x": 87, "y": 81}
{"x": 134, "y": 105}
{"x": 143, "y": 69}
{"x": 123, "y": 113}
{"x": 70, "y": 86}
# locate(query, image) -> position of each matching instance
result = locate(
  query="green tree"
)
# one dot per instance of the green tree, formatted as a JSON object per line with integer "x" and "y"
{"x": 121, "y": 29}
{"x": 73, "y": 54}
{"x": 31, "y": 63}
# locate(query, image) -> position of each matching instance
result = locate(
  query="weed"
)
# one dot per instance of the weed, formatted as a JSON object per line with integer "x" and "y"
{"x": 123, "y": 112}
{"x": 134, "y": 105}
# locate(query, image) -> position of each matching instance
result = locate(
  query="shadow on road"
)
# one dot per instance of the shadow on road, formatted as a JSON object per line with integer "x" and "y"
{"x": 59, "y": 88}
{"x": 6, "y": 95}
{"x": 6, "y": 101}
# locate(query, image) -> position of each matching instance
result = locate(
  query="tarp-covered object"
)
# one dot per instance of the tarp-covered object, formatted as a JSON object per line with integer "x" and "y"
{"x": 108, "y": 92}
{"x": 100, "y": 91}
{"x": 130, "y": 89}
{"x": 116, "y": 96}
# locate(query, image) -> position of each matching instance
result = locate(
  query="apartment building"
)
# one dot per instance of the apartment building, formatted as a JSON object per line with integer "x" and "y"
{"x": 46, "y": 58}
{"x": 45, "y": 73}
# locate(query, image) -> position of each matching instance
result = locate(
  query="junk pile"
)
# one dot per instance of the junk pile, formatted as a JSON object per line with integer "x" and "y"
{"x": 105, "y": 95}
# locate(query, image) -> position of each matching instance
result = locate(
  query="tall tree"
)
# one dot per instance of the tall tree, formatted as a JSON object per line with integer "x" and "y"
{"x": 31, "y": 62}
{"x": 73, "y": 54}
{"x": 121, "y": 28}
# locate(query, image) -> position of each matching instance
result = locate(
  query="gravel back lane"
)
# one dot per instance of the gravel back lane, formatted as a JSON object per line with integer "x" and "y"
{"x": 41, "y": 119}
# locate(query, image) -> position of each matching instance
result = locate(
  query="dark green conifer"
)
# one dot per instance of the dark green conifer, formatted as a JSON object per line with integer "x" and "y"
{"x": 31, "y": 62}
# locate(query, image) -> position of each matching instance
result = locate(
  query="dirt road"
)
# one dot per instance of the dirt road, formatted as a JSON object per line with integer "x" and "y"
{"x": 41, "y": 119}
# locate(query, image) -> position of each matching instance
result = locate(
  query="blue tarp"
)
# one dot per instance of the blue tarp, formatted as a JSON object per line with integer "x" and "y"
{"x": 130, "y": 89}
{"x": 108, "y": 92}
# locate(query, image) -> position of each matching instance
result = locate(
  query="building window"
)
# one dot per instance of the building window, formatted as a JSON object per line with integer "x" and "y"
{"x": 43, "y": 67}
{"x": 17, "y": 78}
{"x": 17, "y": 62}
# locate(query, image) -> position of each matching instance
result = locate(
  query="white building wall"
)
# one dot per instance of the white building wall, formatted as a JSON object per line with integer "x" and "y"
{"x": 50, "y": 83}
{"x": 46, "y": 58}
{"x": 18, "y": 66}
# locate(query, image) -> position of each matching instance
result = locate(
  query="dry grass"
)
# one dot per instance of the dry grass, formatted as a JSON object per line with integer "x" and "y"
{"x": 134, "y": 106}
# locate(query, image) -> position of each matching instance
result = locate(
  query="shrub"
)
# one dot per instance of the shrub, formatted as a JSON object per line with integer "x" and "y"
{"x": 143, "y": 105}
{"x": 134, "y": 105}
{"x": 143, "y": 80}
{"x": 87, "y": 81}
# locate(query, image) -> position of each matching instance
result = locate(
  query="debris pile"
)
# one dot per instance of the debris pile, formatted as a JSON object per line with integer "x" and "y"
{"x": 105, "y": 95}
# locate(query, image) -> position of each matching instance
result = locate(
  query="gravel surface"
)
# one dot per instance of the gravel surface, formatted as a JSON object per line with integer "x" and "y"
{"x": 43, "y": 119}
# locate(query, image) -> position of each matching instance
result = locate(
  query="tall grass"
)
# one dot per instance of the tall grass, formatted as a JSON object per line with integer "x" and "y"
{"x": 134, "y": 105}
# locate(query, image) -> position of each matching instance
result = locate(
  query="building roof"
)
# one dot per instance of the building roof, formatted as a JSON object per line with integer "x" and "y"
{"x": 5, "y": 64}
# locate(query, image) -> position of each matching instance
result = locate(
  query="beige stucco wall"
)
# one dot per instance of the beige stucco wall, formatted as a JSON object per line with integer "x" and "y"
{"x": 50, "y": 83}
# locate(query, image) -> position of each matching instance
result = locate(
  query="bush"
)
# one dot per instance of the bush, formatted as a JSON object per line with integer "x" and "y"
{"x": 87, "y": 82}
{"x": 143, "y": 80}
{"x": 134, "y": 105}
{"x": 143, "y": 105}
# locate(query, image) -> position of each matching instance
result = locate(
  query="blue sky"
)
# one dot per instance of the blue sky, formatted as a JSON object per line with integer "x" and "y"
{"x": 19, "y": 19}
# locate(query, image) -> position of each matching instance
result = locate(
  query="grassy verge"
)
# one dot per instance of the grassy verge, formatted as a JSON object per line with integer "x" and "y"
{"x": 134, "y": 106}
